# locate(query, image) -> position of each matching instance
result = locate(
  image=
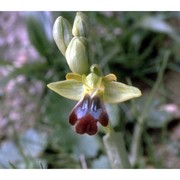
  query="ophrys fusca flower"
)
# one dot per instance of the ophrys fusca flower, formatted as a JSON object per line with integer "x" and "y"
{"x": 92, "y": 92}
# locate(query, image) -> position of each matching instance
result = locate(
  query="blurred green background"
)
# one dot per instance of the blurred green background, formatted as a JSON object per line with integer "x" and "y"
{"x": 34, "y": 128}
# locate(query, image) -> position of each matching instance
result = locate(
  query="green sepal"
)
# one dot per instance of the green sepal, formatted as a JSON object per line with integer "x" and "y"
{"x": 74, "y": 76}
{"x": 71, "y": 89}
{"x": 109, "y": 78}
{"x": 116, "y": 92}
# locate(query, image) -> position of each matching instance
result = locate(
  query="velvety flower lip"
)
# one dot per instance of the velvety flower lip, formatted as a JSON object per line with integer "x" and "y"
{"x": 87, "y": 113}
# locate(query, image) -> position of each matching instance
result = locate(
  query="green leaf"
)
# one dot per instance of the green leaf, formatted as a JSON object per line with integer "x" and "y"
{"x": 57, "y": 113}
{"x": 31, "y": 144}
{"x": 116, "y": 92}
{"x": 157, "y": 24}
{"x": 70, "y": 89}
{"x": 101, "y": 163}
{"x": 87, "y": 145}
{"x": 38, "y": 25}
{"x": 155, "y": 117}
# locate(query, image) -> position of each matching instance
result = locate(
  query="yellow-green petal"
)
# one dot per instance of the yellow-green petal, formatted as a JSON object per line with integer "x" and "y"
{"x": 74, "y": 76}
{"x": 116, "y": 92}
{"x": 70, "y": 89}
{"x": 109, "y": 77}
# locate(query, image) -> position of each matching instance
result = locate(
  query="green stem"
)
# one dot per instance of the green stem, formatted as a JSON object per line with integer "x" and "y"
{"x": 136, "y": 141}
{"x": 115, "y": 148}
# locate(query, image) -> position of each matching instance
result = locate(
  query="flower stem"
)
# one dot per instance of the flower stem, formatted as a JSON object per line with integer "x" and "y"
{"x": 115, "y": 148}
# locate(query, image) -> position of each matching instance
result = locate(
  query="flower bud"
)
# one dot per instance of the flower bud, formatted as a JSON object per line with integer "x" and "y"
{"x": 80, "y": 26}
{"x": 77, "y": 55}
{"x": 62, "y": 33}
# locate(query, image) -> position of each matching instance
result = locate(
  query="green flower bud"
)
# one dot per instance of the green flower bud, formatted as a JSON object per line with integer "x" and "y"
{"x": 80, "y": 26}
{"x": 62, "y": 33}
{"x": 77, "y": 55}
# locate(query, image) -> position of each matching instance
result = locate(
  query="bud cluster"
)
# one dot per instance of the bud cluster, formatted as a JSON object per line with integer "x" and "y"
{"x": 73, "y": 43}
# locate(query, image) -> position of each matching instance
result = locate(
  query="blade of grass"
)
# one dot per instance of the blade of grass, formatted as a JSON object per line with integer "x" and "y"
{"x": 137, "y": 135}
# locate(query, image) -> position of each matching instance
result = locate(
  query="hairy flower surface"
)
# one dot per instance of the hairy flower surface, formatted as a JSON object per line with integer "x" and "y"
{"x": 92, "y": 91}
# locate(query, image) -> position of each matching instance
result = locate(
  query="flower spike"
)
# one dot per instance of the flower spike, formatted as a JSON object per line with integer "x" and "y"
{"x": 86, "y": 84}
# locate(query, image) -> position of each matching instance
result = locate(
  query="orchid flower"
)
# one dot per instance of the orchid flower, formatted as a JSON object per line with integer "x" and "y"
{"x": 92, "y": 92}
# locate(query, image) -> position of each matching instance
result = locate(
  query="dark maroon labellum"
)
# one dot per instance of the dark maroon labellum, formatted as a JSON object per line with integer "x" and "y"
{"x": 87, "y": 113}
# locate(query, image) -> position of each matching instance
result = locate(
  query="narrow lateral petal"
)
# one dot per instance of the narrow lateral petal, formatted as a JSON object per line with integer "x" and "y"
{"x": 74, "y": 76}
{"x": 70, "y": 89}
{"x": 116, "y": 92}
{"x": 109, "y": 77}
